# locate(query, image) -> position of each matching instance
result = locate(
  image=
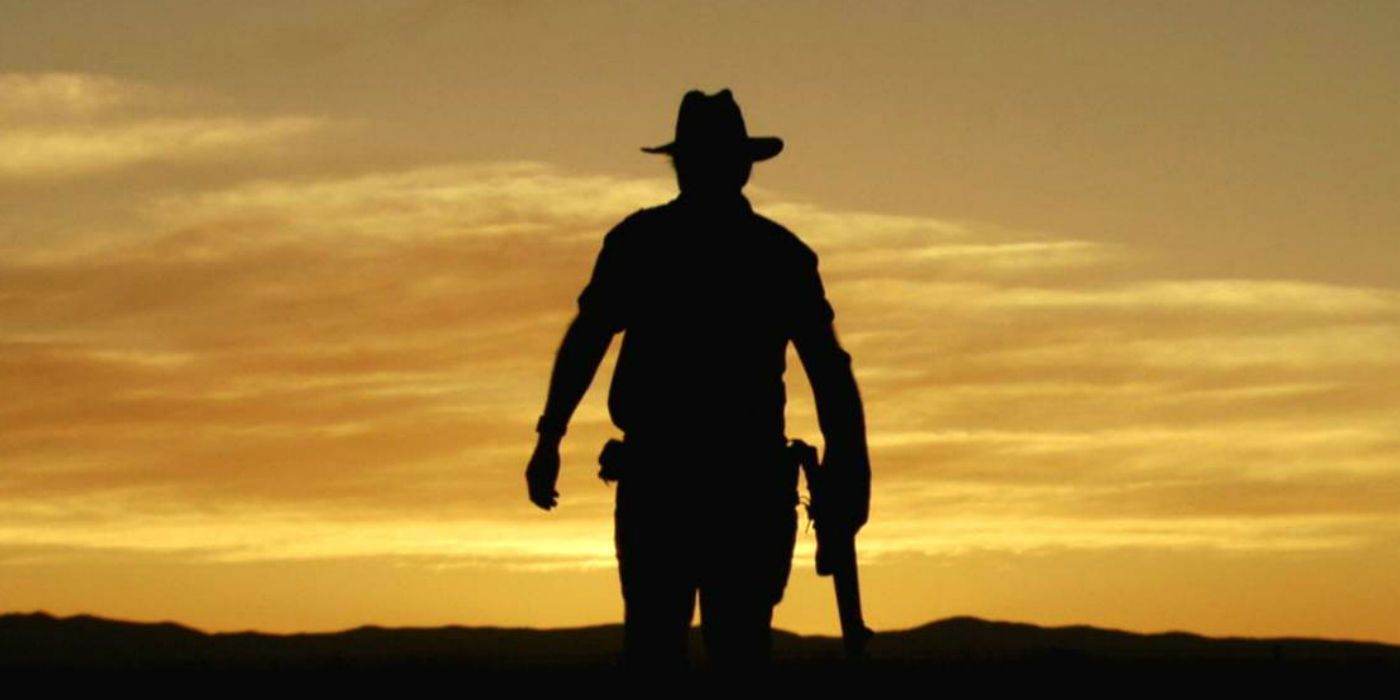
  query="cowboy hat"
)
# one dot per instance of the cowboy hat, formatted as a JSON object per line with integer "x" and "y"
{"x": 707, "y": 123}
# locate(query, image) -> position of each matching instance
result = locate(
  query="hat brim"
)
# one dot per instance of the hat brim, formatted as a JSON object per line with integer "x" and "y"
{"x": 757, "y": 148}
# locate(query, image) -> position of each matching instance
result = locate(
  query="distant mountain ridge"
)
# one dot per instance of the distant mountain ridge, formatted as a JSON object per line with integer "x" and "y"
{"x": 41, "y": 640}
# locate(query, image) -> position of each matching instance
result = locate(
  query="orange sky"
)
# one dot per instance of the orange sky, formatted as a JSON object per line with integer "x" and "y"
{"x": 280, "y": 291}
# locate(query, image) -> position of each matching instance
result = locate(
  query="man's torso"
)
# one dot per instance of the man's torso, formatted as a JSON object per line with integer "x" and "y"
{"x": 706, "y": 300}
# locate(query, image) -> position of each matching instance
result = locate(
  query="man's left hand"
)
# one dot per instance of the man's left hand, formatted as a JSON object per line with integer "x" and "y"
{"x": 542, "y": 474}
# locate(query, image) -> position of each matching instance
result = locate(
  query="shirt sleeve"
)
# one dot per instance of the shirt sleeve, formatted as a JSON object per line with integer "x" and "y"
{"x": 602, "y": 300}
{"x": 812, "y": 311}
{"x": 840, "y": 412}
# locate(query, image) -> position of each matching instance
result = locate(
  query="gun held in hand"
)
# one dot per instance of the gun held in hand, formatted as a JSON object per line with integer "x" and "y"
{"x": 836, "y": 549}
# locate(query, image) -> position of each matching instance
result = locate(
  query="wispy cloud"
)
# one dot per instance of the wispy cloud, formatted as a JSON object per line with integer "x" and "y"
{"x": 65, "y": 152}
{"x": 377, "y": 344}
{"x": 58, "y": 95}
{"x": 64, "y": 125}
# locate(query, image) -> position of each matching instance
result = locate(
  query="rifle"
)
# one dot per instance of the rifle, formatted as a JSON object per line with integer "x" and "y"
{"x": 836, "y": 552}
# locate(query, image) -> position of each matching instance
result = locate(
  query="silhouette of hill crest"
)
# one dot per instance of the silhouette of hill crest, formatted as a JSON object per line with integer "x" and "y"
{"x": 84, "y": 641}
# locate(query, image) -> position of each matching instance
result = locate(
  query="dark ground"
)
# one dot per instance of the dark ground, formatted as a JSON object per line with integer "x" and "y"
{"x": 957, "y": 650}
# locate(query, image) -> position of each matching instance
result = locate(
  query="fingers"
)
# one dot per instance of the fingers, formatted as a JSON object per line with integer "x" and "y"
{"x": 841, "y": 519}
{"x": 543, "y": 495}
{"x": 546, "y": 502}
{"x": 540, "y": 477}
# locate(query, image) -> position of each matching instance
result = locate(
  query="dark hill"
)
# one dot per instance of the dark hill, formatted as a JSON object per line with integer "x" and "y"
{"x": 84, "y": 642}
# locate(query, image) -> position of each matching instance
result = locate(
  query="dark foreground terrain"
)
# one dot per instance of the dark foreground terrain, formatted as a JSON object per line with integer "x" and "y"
{"x": 957, "y": 647}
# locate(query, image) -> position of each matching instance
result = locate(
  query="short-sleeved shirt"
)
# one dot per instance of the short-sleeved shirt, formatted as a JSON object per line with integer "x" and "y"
{"x": 708, "y": 296}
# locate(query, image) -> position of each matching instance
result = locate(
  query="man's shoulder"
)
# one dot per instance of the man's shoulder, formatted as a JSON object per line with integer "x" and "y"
{"x": 636, "y": 223}
{"x": 661, "y": 216}
{"x": 788, "y": 242}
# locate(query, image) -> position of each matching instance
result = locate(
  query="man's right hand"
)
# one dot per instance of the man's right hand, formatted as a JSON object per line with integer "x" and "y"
{"x": 848, "y": 480}
{"x": 845, "y": 518}
{"x": 542, "y": 474}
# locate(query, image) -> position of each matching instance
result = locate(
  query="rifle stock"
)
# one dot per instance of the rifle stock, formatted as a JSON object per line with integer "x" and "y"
{"x": 836, "y": 554}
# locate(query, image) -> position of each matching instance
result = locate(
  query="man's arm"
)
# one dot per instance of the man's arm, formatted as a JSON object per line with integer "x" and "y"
{"x": 841, "y": 415}
{"x": 840, "y": 410}
{"x": 576, "y": 363}
{"x": 582, "y": 350}
{"x": 585, "y": 343}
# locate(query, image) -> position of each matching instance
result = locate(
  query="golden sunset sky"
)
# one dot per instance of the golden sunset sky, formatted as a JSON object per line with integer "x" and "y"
{"x": 281, "y": 286}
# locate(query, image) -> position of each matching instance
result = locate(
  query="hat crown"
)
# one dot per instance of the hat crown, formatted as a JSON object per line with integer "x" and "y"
{"x": 710, "y": 119}
{"x": 714, "y": 124}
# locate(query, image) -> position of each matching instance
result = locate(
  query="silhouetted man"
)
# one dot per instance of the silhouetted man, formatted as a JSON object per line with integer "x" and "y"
{"x": 708, "y": 293}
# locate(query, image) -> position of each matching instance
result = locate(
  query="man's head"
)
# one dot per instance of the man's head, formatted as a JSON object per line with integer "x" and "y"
{"x": 704, "y": 174}
{"x": 712, "y": 151}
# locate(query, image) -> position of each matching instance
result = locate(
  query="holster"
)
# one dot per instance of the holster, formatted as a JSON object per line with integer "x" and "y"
{"x": 612, "y": 461}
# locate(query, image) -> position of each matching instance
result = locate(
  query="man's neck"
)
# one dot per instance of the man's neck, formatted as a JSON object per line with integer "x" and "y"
{"x": 715, "y": 201}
